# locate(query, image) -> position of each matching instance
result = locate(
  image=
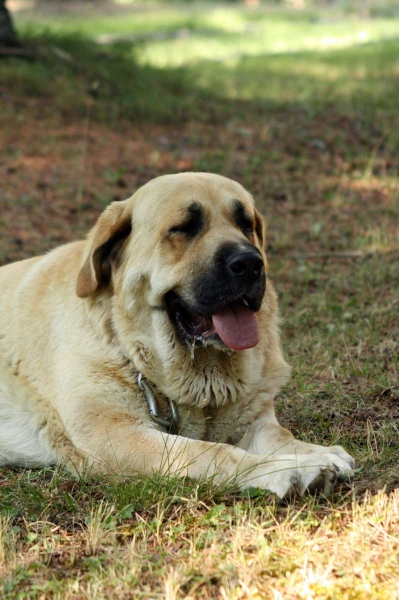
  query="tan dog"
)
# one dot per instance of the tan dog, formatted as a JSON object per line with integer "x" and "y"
{"x": 171, "y": 284}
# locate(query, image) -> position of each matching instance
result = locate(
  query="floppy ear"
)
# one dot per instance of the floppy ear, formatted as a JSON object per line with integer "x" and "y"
{"x": 260, "y": 227}
{"x": 104, "y": 241}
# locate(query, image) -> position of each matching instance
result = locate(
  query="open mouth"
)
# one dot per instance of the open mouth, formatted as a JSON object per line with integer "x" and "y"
{"x": 234, "y": 325}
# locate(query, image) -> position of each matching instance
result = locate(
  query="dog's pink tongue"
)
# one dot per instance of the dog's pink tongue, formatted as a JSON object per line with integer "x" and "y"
{"x": 237, "y": 325}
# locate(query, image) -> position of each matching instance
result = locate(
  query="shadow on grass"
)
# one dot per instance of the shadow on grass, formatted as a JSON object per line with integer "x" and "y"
{"x": 68, "y": 70}
{"x": 359, "y": 79}
{"x": 71, "y": 69}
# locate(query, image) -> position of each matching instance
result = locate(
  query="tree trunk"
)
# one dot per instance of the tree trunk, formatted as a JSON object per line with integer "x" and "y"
{"x": 8, "y": 37}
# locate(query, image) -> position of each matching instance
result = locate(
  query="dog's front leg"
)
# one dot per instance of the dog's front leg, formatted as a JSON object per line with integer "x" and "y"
{"x": 317, "y": 467}
{"x": 116, "y": 443}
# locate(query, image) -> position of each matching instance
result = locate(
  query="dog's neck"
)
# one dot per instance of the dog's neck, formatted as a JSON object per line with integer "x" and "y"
{"x": 198, "y": 378}
{"x": 209, "y": 378}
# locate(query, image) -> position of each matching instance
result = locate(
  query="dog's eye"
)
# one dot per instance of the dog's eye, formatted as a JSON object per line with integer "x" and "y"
{"x": 242, "y": 219}
{"x": 190, "y": 228}
{"x": 246, "y": 225}
{"x": 244, "y": 222}
{"x": 192, "y": 225}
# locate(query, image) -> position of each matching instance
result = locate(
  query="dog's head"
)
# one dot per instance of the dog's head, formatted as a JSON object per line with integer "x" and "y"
{"x": 190, "y": 247}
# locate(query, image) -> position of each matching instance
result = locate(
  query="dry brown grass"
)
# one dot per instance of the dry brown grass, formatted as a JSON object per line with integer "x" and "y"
{"x": 7, "y": 542}
{"x": 252, "y": 552}
{"x": 98, "y": 524}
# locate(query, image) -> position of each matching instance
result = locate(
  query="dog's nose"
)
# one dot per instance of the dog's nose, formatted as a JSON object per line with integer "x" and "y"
{"x": 246, "y": 266}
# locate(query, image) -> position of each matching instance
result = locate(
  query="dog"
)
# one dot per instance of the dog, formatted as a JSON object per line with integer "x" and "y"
{"x": 153, "y": 346}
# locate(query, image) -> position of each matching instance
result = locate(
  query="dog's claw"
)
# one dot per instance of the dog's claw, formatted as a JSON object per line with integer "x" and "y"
{"x": 324, "y": 482}
{"x": 345, "y": 476}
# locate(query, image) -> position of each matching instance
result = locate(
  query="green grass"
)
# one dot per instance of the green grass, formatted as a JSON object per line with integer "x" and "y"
{"x": 71, "y": 69}
{"x": 263, "y": 59}
{"x": 214, "y": 31}
{"x": 227, "y": 37}
{"x": 166, "y": 539}
{"x": 311, "y": 130}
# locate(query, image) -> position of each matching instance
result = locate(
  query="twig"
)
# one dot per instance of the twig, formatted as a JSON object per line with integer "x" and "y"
{"x": 8, "y": 52}
{"x": 353, "y": 254}
{"x": 65, "y": 56}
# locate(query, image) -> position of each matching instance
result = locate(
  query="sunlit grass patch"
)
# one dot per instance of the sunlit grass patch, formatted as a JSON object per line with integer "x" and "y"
{"x": 273, "y": 35}
{"x": 174, "y": 63}
{"x": 181, "y": 34}
{"x": 353, "y": 80}
{"x": 238, "y": 547}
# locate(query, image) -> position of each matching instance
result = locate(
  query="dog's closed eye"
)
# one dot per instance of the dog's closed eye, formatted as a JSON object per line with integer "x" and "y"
{"x": 193, "y": 223}
{"x": 242, "y": 219}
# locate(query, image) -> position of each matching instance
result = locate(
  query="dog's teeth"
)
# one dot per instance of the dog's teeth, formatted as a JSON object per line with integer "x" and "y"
{"x": 245, "y": 302}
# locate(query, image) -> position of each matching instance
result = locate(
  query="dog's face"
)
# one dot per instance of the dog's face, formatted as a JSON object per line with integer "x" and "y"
{"x": 189, "y": 245}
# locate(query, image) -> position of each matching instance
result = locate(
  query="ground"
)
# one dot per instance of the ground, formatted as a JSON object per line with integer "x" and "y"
{"x": 302, "y": 109}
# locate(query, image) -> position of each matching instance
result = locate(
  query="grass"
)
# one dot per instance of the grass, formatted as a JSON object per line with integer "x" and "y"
{"x": 71, "y": 71}
{"x": 312, "y": 132}
{"x": 182, "y": 63}
{"x": 166, "y": 539}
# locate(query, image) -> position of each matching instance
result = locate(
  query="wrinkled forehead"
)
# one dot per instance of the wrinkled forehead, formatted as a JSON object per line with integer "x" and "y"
{"x": 164, "y": 199}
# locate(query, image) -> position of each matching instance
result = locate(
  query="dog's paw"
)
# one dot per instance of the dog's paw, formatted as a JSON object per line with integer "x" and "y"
{"x": 316, "y": 472}
{"x": 346, "y": 462}
{"x": 319, "y": 472}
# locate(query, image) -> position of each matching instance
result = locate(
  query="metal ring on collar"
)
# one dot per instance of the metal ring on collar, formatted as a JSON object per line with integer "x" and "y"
{"x": 169, "y": 423}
